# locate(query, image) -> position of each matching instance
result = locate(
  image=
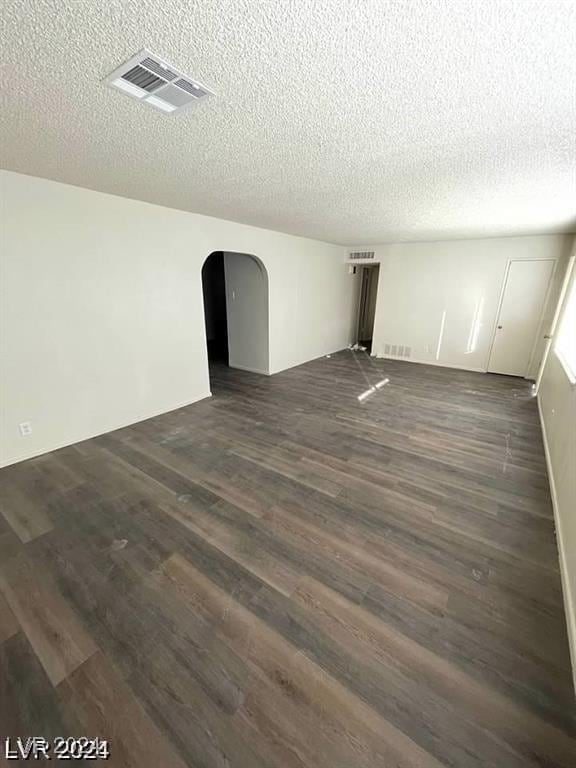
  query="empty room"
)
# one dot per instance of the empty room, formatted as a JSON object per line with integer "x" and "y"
{"x": 288, "y": 383}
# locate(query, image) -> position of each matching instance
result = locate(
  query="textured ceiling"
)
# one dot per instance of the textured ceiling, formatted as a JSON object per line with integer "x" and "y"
{"x": 352, "y": 121}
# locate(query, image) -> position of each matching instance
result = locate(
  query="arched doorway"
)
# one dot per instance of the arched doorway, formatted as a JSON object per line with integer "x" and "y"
{"x": 236, "y": 311}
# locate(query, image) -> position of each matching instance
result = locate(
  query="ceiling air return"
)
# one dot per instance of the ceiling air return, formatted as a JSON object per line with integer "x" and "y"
{"x": 148, "y": 78}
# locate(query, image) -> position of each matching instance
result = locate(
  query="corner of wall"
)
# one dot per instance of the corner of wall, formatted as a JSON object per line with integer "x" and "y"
{"x": 40, "y": 450}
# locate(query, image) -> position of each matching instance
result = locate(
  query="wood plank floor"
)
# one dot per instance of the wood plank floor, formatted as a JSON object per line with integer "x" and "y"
{"x": 284, "y": 576}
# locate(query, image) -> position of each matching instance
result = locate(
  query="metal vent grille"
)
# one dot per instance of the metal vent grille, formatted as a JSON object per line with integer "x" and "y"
{"x": 195, "y": 90}
{"x": 175, "y": 96}
{"x": 158, "y": 69}
{"x": 397, "y": 350}
{"x": 143, "y": 79}
{"x": 149, "y": 79}
{"x": 361, "y": 255}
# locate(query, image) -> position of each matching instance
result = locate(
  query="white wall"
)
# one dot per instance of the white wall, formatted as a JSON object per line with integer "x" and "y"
{"x": 419, "y": 282}
{"x": 247, "y": 312}
{"x": 101, "y": 309}
{"x": 557, "y": 402}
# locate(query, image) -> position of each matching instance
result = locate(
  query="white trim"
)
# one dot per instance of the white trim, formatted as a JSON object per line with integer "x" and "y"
{"x": 566, "y": 591}
{"x": 310, "y": 359}
{"x": 540, "y": 329}
{"x": 557, "y": 312}
{"x": 249, "y": 369}
{"x": 90, "y": 436}
{"x": 429, "y": 362}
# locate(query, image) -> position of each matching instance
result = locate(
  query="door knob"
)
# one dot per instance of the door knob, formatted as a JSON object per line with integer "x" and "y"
{"x": 499, "y": 327}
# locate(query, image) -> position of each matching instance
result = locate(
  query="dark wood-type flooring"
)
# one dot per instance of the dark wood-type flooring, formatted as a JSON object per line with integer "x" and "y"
{"x": 284, "y": 576}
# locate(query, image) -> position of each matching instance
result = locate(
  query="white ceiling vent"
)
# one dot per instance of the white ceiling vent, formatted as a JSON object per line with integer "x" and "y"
{"x": 149, "y": 78}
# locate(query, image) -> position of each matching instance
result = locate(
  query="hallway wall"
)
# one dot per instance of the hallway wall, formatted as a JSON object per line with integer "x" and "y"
{"x": 101, "y": 309}
{"x": 247, "y": 313}
{"x": 557, "y": 403}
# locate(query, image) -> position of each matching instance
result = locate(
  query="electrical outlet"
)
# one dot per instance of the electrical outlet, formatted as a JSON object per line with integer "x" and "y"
{"x": 25, "y": 428}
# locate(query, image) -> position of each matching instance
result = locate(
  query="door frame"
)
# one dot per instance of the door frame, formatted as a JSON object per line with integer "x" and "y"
{"x": 375, "y": 266}
{"x": 540, "y": 319}
{"x": 570, "y": 267}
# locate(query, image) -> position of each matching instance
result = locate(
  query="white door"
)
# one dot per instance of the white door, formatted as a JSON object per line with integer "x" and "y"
{"x": 519, "y": 317}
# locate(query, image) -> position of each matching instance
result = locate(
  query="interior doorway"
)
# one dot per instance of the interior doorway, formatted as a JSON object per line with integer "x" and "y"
{"x": 236, "y": 311}
{"x": 215, "y": 318}
{"x": 367, "y": 304}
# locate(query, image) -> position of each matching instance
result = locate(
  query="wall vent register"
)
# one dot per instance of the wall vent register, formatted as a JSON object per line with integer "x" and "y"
{"x": 397, "y": 350}
{"x": 150, "y": 79}
{"x": 356, "y": 255}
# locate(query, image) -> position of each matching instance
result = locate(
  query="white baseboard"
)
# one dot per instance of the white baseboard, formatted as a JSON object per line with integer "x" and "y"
{"x": 297, "y": 363}
{"x": 566, "y": 590}
{"x": 249, "y": 369}
{"x": 112, "y": 428}
{"x": 430, "y": 362}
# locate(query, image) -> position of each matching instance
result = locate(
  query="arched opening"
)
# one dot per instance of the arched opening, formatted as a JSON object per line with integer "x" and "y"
{"x": 235, "y": 290}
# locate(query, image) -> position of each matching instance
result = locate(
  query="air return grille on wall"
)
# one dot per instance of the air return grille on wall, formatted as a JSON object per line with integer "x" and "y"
{"x": 148, "y": 78}
{"x": 361, "y": 255}
{"x": 397, "y": 350}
